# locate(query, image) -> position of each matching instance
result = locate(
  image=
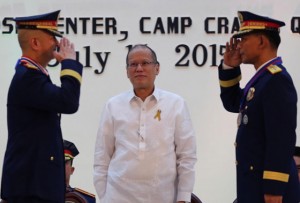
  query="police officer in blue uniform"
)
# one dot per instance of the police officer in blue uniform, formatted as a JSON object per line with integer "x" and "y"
{"x": 266, "y": 107}
{"x": 74, "y": 194}
{"x": 34, "y": 168}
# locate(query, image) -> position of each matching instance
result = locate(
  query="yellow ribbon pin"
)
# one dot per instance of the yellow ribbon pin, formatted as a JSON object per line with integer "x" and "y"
{"x": 157, "y": 114}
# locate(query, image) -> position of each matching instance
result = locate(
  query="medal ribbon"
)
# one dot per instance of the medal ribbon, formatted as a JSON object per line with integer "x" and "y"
{"x": 275, "y": 61}
{"x": 26, "y": 60}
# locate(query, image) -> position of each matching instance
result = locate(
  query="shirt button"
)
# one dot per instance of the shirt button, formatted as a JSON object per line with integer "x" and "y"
{"x": 236, "y": 162}
{"x": 251, "y": 168}
{"x": 235, "y": 144}
{"x": 51, "y": 158}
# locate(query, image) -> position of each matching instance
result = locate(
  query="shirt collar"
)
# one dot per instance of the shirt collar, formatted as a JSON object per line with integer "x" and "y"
{"x": 155, "y": 95}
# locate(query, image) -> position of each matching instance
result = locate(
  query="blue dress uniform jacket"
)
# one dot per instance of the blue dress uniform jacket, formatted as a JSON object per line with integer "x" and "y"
{"x": 34, "y": 157}
{"x": 265, "y": 140}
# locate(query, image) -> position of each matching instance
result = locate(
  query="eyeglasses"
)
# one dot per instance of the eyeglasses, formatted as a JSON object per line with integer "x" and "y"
{"x": 143, "y": 64}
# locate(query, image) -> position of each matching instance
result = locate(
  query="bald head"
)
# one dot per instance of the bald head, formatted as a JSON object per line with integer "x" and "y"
{"x": 142, "y": 46}
{"x": 38, "y": 45}
{"x": 25, "y": 37}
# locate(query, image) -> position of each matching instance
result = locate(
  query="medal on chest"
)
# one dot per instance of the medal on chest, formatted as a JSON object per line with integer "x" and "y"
{"x": 243, "y": 117}
{"x": 250, "y": 94}
{"x": 239, "y": 119}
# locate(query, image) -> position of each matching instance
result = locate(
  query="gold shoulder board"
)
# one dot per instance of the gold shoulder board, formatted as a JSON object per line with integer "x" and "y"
{"x": 30, "y": 66}
{"x": 274, "y": 69}
{"x": 84, "y": 192}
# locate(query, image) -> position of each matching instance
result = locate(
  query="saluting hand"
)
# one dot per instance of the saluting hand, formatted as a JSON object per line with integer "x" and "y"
{"x": 232, "y": 55}
{"x": 66, "y": 50}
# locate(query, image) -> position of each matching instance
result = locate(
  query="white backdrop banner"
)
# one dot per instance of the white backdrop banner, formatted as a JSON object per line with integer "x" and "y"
{"x": 189, "y": 38}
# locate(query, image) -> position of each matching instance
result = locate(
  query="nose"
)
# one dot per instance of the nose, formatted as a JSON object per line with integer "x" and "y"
{"x": 139, "y": 67}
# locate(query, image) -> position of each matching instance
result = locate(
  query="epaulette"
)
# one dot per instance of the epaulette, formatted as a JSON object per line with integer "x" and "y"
{"x": 84, "y": 192}
{"x": 28, "y": 65}
{"x": 274, "y": 69}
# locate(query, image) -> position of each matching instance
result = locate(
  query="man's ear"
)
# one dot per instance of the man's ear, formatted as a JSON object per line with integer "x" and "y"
{"x": 34, "y": 43}
{"x": 157, "y": 69}
{"x": 127, "y": 72}
{"x": 72, "y": 170}
{"x": 263, "y": 41}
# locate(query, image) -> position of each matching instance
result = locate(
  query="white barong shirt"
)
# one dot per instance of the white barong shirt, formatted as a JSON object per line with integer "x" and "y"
{"x": 145, "y": 151}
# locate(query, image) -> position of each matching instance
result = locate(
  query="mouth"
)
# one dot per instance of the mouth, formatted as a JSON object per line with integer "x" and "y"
{"x": 139, "y": 76}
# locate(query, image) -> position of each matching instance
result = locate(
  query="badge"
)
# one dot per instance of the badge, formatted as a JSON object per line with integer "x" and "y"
{"x": 239, "y": 119}
{"x": 250, "y": 94}
{"x": 245, "y": 119}
{"x": 157, "y": 115}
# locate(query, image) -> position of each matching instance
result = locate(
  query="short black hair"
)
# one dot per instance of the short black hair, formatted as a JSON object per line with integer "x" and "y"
{"x": 154, "y": 57}
{"x": 273, "y": 37}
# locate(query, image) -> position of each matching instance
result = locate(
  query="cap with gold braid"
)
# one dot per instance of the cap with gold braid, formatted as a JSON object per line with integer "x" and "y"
{"x": 250, "y": 22}
{"x": 46, "y": 22}
{"x": 70, "y": 150}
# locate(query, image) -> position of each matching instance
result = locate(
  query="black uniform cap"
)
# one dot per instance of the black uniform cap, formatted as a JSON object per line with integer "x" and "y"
{"x": 250, "y": 22}
{"x": 70, "y": 150}
{"x": 46, "y": 22}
